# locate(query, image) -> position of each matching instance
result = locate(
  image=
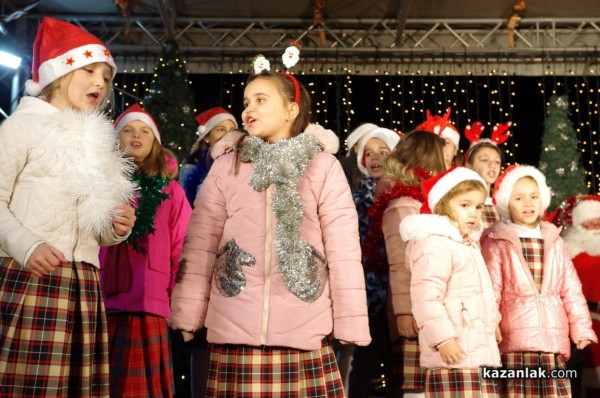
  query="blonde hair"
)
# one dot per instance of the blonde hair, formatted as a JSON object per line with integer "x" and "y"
{"x": 443, "y": 207}
{"x": 156, "y": 164}
{"x": 416, "y": 149}
{"x": 62, "y": 84}
{"x": 530, "y": 178}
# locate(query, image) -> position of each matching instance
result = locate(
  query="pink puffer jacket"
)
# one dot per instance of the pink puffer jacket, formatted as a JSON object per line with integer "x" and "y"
{"x": 532, "y": 320}
{"x": 451, "y": 293}
{"x": 257, "y": 308}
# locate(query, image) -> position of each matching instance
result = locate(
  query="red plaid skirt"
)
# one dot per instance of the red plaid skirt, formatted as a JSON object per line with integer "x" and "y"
{"x": 267, "y": 372}
{"x": 53, "y": 340}
{"x": 140, "y": 356}
{"x": 458, "y": 383}
{"x": 526, "y": 388}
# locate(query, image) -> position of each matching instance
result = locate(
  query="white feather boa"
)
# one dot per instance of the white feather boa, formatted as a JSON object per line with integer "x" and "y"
{"x": 98, "y": 172}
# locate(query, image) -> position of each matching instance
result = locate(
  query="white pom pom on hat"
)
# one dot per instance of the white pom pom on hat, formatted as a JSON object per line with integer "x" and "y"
{"x": 60, "y": 48}
{"x": 210, "y": 118}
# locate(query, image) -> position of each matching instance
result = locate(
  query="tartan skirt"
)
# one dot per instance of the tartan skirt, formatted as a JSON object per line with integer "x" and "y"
{"x": 140, "y": 356}
{"x": 53, "y": 340}
{"x": 458, "y": 383}
{"x": 243, "y": 371}
{"x": 413, "y": 375}
{"x": 540, "y": 387}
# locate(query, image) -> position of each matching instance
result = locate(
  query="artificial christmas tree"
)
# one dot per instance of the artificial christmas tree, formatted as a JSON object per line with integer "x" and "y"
{"x": 560, "y": 159}
{"x": 171, "y": 101}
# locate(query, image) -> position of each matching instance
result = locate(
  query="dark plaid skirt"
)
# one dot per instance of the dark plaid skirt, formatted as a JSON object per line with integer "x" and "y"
{"x": 267, "y": 372}
{"x": 525, "y": 388}
{"x": 53, "y": 340}
{"x": 458, "y": 383}
{"x": 140, "y": 356}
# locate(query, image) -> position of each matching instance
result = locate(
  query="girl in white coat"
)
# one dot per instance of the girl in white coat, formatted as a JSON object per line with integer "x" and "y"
{"x": 451, "y": 291}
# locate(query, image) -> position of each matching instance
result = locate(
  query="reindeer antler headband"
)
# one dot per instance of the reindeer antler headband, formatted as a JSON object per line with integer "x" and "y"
{"x": 500, "y": 134}
{"x": 290, "y": 57}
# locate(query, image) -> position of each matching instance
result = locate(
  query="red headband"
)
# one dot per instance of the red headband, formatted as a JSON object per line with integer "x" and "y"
{"x": 296, "y": 87}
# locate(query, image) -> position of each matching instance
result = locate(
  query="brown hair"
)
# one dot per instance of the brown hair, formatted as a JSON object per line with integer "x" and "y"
{"x": 416, "y": 149}
{"x": 443, "y": 206}
{"x": 156, "y": 164}
{"x": 62, "y": 84}
{"x": 477, "y": 147}
{"x": 288, "y": 92}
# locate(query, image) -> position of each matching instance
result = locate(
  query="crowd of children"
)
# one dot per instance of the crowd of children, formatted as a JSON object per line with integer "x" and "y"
{"x": 272, "y": 254}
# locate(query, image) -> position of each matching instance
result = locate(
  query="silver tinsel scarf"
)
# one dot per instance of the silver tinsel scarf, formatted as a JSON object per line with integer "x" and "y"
{"x": 282, "y": 163}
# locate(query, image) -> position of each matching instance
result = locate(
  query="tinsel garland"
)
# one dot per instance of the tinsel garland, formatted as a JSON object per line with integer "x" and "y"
{"x": 151, "y": 196}
{"x": 375, "y": 259}
{"x": 281, "y": 164}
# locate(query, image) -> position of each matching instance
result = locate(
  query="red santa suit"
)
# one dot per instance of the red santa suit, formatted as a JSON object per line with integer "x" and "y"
{"x": 583, "y": 243}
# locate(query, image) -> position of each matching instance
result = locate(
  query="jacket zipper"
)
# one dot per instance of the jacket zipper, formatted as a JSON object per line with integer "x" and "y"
{"x": 267, "y": 275}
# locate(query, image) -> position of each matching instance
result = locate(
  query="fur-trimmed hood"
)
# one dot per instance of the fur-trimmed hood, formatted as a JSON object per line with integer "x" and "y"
{"x": 419, "y": 226}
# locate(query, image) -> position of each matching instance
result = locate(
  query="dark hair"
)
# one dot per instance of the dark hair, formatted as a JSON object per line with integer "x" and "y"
{"x": 477, "y": 147}
{"x": 416, "y": 149}
{"x": 288, "y": 92}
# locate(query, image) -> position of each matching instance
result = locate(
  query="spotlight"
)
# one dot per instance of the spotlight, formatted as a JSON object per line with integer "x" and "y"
{"x": 9, "y": 60}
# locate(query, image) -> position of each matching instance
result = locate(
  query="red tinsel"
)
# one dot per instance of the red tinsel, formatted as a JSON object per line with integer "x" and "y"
{"x": 375, "y": 259}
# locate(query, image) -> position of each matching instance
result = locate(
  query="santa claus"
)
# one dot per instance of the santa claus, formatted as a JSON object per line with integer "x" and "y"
{"x": 582, "y": 238}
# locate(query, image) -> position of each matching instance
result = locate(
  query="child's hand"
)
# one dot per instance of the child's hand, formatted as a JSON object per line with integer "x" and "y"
{"x": 451, "y": 352}
{"x": 407, "y": 326}
{"x": 187, "y": 336}
{"x": 124, "y": 220}
{"x": 44, "y": 259}
{"x": 581, "y": 344}
{"x": 498, "y": 335}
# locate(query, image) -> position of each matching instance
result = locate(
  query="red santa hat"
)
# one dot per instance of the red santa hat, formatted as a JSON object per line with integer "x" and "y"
{"x": 60, "y": 48}
{"x": 506, "y": 182}
{"x": 210, "y": 118}
{"x": 435, "y": 188}
{"x": 356, "y": 135}
{"x": 133, "y": 113}
{"x": 390, "y": 137}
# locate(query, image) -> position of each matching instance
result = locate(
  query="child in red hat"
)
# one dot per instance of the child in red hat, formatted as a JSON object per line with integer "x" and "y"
{"x": 64, "y": 192}
{"x": 138, "y": 275}
{"x": 450, "y": 289}
{"x": 535, "y": 284}
{"x": 213, "y": 124}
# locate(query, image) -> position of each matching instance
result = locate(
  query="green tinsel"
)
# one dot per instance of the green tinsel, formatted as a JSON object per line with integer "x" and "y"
{"x": 150, "y": 198}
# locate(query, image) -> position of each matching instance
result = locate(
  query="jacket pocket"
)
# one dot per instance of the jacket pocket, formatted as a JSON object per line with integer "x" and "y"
{"x": 229, "y": 274}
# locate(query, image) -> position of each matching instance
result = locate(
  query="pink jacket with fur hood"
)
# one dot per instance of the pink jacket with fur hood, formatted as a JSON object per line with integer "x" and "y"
{"x": 532, "y": 320}
{"x": 230, "y": 281}
{"x": 451, "y": 292}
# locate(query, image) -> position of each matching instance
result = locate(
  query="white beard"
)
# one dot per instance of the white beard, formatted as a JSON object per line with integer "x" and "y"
{"x": 580, "y": 240}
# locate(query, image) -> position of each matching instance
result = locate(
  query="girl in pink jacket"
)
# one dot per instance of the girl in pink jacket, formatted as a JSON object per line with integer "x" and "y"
{"x": 536, "y": 286}
{"x": 271, "y": 264}
{"x": 138, "y": 275}
{"x": 450, "y": 289}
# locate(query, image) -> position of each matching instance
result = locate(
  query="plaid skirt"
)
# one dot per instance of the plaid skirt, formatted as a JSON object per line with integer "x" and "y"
{"x": 544, "y": 387}
{"x": 458, "y": 383}
{"x": 140, "y": 356}
{"x": 268, "y": 372}
{"x": 53, "y": 340}
{"x": 413, "y": 375}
